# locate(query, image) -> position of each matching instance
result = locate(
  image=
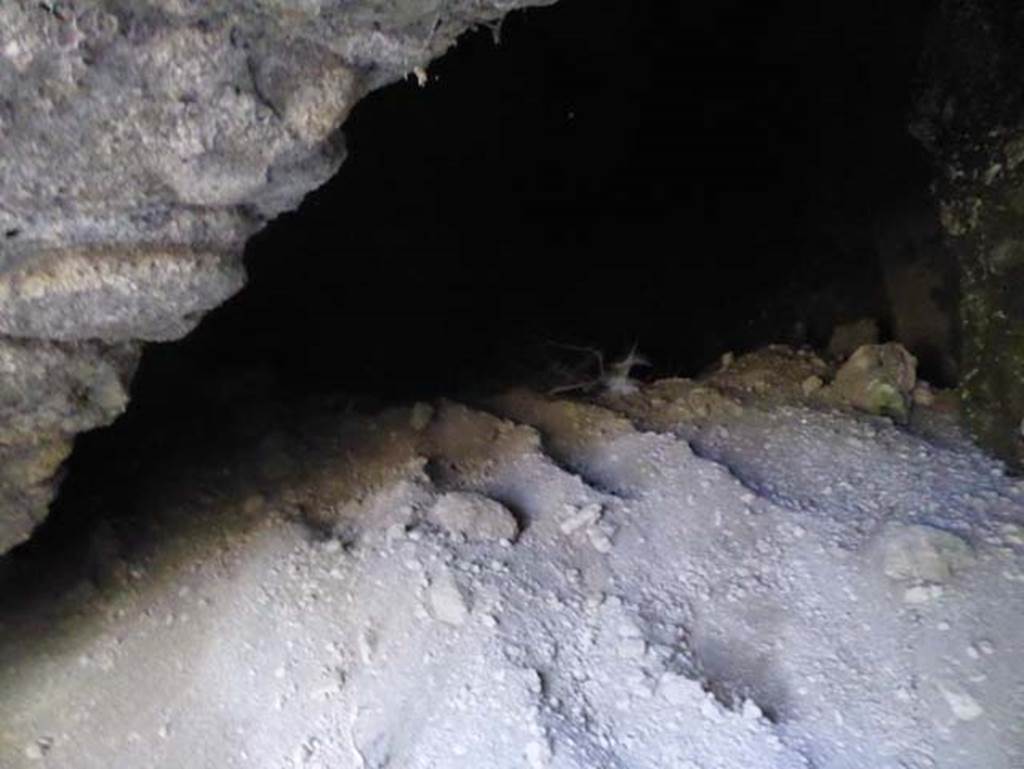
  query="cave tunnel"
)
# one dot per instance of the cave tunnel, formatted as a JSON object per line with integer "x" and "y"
{"x": 692, "y": 181}
{"x": 571, "y": 186}
{"x": 689, "y": 181}
{"x": 685, "y": 182}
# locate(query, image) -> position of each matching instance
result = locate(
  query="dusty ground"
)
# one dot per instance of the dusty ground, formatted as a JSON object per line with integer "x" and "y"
{"x": 728, "y": 573}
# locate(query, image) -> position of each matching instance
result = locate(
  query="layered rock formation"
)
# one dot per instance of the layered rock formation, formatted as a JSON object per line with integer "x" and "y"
{"x": 141, "y": 144}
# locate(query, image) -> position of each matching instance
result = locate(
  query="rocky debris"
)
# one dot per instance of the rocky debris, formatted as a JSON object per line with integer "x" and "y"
{"x": 690, "y": 399}
{"x": 766, "y": 600}
{"x": 776, "y": 370}
{"x": 588, "y": 518}
{"x": 448, "y": 603}
{"x": 474, "y": 517}
{"x": 846, "y": 338}
{"x": 878, "y": 379}
{"x": 811, "y": 385}
{"x": 577, "y": 518}
{"x": 142, "y": 144}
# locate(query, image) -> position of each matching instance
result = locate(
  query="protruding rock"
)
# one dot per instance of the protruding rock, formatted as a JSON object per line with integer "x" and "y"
{"x": 923, "y": 395}
{"x": 474, "y": 516}
{"x": 878, "y": 379}
{"x": 140, "y": 293}
{"x": 811, "y": 385}
{"x": 48, "y": 392}
{"x": 963, "y": 706}
{"x": 447, "y": 602}
{"x": 918, "y": 554}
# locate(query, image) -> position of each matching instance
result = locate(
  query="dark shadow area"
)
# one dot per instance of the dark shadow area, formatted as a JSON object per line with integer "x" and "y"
{"x": 692, "y": 179}
{"x": 610, "y": 173}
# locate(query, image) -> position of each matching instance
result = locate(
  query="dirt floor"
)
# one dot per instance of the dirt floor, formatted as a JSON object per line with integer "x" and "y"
{"x": 736, "y": 571}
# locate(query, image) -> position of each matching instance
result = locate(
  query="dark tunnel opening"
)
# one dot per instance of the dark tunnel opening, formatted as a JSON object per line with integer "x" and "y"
{"x": 691, "y": 181}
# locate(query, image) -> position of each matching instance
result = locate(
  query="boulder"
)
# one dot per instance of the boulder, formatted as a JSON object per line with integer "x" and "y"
{"x": 878, "y": 378}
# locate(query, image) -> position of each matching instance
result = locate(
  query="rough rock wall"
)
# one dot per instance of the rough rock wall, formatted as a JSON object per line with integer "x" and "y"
{"x": 970, "y": 117}
{"x": 141, "y": 143}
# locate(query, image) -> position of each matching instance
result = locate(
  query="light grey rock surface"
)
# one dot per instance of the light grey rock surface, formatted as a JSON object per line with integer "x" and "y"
{"x": 49, "y": 391}
{"x": 141, "y": 144}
